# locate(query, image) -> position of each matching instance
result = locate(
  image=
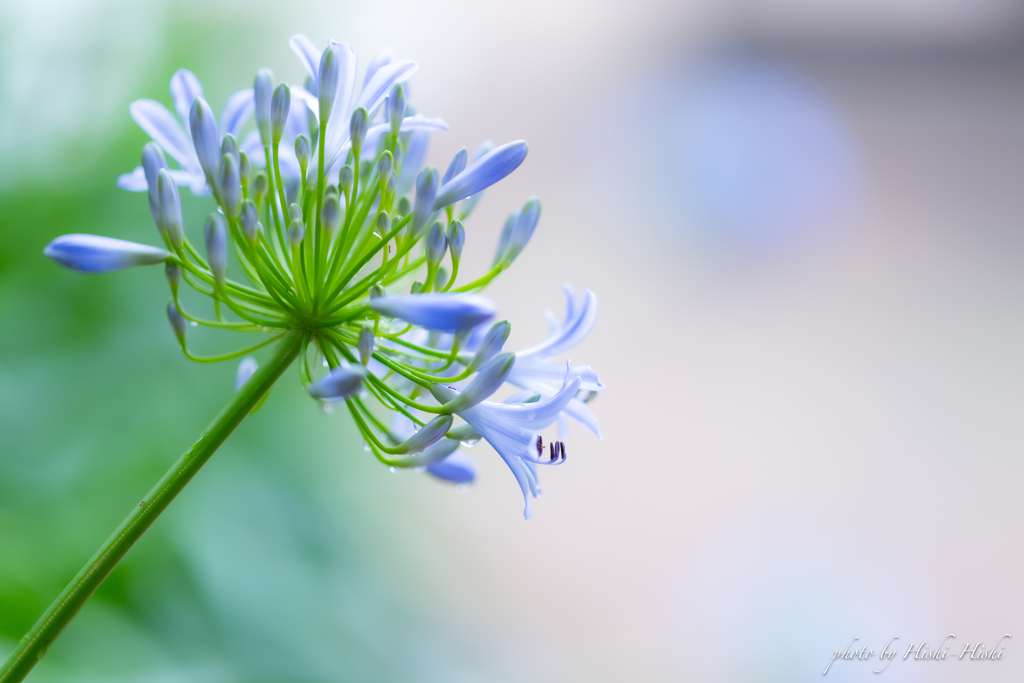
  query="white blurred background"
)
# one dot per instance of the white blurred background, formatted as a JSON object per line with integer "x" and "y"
{"x": 803, "y": 222}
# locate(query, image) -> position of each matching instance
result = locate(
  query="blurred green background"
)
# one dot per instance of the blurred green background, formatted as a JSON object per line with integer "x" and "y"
{"x": 803, "y": 224}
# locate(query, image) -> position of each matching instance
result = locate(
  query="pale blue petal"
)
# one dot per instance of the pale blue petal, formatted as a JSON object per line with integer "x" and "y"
{"x": 185, "y": 88}
{"x": 415, "y": 154}
{"x": 252, "y": 145}
{"x": 383, "y": 80}
{"x": 165, "y": 130}
{"x": 482, "y": 173}
{"x": 134, "y": 181}
{"x": 580, "y": 411}
{"x": 529, "y": 373}
{"x": 347, "y": 83}
{"x": 307, "y": 52}
{"x": 382, "y": 58}
{"x": 571, "y": 333}
{"x": 97, "y": 254}
{"x": 532, "y": 415}
{"x": 236, "y": 112}
{"x": 437, "y": 311}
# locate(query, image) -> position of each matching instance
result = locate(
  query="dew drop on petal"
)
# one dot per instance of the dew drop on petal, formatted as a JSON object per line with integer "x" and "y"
{"x": 366, "y": 447}
{"x": 327, "y": 407}
{"x": 193, "y": 323}
{"x": 419, "y": 469}
{"x": 392, "y": 469}
{"x": 325, "y": 362}
{"x": 470, "y": 443}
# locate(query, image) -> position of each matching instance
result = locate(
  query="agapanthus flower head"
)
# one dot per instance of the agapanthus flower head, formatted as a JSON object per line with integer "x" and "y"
{"x": 328, "y": 229}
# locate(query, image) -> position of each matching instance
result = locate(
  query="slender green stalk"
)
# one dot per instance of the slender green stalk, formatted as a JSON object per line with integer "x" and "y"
{"x": 33, "y": 646}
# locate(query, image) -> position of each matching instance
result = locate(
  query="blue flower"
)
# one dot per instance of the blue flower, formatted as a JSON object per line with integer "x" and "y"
{"x": 533, "y": 371}
{"x": 96, "y": 254}
{"x": 436, "y": 311}
{"x": 173, "y": 134}
{"x": 511, "y": 429}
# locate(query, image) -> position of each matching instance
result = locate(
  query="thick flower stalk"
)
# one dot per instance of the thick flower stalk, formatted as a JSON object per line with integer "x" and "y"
{"x": 331, "y": 242}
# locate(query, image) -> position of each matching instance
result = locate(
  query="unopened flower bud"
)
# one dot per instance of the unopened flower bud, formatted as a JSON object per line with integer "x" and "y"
{"x": 331, "y": 189}
{"x": 457, "y": 165}
{"x": 376, "y": 292}
{"x": 217, "y": 247}
{"x": 294, "y": 212}
{"x": 364, "y": 168}
{"x": 330, "y": 213}
{"x": 229, "y": 185}
{"x": 279, "y": 106}
{"x": 390, "y": 186}
{"x": 505, "y": 239}
{"x": 260, "y": 186}
{"x": 291, "y": 190}
{"x": 469, "y": 203}
{"x": 396, "y": 108}
{"x": 357, "y": 130}
{"x": 385, "y": 163}
{"x": 170, "y": 208}
{"x": 456, "y": 239}
{"x": 404, "y": 206}
{"x": 244, "y": 169}
{"x": 365, "y": 344}
{"x": 296, "y": 231}
{"x": 329, "y": 75}
{"x": 341, "y": 383}
{"x": 249, "y": 217}
{"x": 228, "y": 145}
{"x": 178, "y": 323}
{"x": 96, "y": 254}
{"x": 431, "y": 433}
{"x": 437, "y": 244}
{"x": 522, "y": 230}
{"x": 153, "y": 161}
{"x": 487, "y": 381}
{"x": 416, "y": 288}
{"x": 491, "y": 345}
{"x": 426, "y": 189}
{"x": 263, "y": 88}
{"x": 383, "y": 224}
{"x": 203, "y": 126}
{"x": 441, "y": 279}
{"x": 173, "y": 272}
{"x": 303, "y": 152}
{"x": 346, "y": 177}
{"x": 399, "y": 157}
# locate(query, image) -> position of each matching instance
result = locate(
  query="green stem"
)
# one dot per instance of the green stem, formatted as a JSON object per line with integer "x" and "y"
{"x": 33, "y": 646}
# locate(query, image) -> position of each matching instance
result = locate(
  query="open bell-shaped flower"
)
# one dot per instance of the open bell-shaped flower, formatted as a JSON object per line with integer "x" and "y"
{"x": 511, "y": 429}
